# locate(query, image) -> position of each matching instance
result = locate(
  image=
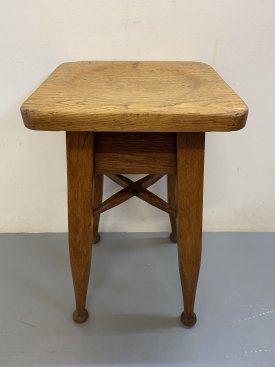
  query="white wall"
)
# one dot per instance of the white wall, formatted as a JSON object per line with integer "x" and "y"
{"x": 235, "y": 37}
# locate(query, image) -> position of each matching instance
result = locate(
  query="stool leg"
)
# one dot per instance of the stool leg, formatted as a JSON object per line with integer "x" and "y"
{"x": 80, "y": 181}
{"x": 172, "y": 200}
{"x": 190, "y": 165}
{"x": 97, "y": 200}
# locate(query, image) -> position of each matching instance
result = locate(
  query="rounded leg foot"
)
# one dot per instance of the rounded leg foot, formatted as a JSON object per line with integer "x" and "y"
{"x": 188, "y": 321}
{"x": 173, "y": 238}
{"x": 79, "y": 318}
{"x": 96, "y": 239}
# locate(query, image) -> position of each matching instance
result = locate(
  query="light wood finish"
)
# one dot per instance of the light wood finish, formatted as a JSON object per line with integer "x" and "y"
{"x": 172, "y": 201}
{"x": 190, "y": 158}
{"x": 134, "y": 96}
{"x": 97, "y": 200}
{"x": 135, "y": 153}
{"x": 135, "y": 117}
{"x": 80, "y": 188}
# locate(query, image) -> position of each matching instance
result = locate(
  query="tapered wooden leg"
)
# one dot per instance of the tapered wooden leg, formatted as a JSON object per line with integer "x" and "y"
{"x": 172, "y": 200}
{"x": 80, "y": 186}
{"x": 190, "y": 165}
{"x": 97, "y": 200}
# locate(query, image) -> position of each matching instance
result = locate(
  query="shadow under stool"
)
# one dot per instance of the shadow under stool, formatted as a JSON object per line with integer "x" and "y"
{"x": 135, "y": 117}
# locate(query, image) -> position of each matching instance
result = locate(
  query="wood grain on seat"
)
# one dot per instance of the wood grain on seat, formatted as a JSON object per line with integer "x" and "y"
{"x": 131, "y": 96}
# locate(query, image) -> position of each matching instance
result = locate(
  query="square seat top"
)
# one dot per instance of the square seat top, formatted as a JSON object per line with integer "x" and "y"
{"x": 128, "y": 96}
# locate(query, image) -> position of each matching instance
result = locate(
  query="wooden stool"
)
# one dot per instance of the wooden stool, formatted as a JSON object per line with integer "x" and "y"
{"x": 135, "y": 117}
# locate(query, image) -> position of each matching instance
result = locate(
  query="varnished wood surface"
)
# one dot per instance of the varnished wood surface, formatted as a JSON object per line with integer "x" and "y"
{"x": 190, "y": 158}
{"x": 134, "y": 96}
{"x": 135, "y": 117}
{"x": 97, "y": 200}
{"x": 172, "y": 200}
{"x": 135, "y": 153}
{"x": 134, "y": 188}
{"x": 80, "y": 189}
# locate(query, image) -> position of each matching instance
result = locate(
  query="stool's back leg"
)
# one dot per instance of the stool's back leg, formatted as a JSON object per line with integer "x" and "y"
{"x": 190, "y": 166}
{"x": 97, "y": 200}
{"x": 172, "y": 200}
{"x": 80, "y": 182}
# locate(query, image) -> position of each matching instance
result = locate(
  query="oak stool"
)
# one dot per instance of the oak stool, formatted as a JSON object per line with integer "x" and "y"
{"x": 135, "y": 117}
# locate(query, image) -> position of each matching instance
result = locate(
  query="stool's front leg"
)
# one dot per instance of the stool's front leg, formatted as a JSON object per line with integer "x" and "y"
{"x": 80, "y": 186}
{"x": 190, "y": 164}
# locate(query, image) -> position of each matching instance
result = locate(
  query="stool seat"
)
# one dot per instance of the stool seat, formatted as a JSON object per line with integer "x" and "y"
{"x": 135, "y": 117}
{"x": 134, "y": 96}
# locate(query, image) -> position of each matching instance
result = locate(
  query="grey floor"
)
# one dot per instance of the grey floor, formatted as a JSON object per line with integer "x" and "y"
{"x": 134, "y": 302}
